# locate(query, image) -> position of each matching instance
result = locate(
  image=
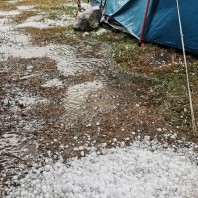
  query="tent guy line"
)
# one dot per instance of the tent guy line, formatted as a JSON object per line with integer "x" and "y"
{"x": 187, "y": 76}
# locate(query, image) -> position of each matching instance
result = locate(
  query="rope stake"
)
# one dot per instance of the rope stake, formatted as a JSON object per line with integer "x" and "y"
{"x": 194, "y": 128}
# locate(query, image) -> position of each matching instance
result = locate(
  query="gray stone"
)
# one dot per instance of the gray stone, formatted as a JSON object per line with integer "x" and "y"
{"x": 88, "y": 20}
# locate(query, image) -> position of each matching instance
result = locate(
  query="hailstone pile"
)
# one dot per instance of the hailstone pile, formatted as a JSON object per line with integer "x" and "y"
{"x": 134, "y": 171}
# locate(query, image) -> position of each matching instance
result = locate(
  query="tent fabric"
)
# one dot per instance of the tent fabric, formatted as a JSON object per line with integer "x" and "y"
{"x": 99, "y": 3}
{"x": 162, "y": 25}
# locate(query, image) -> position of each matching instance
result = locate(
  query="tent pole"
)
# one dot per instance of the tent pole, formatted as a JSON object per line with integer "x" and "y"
{"x": 187, "y": 76}
{"x": 144, "y": 24}
{"x": 103, "y": 10}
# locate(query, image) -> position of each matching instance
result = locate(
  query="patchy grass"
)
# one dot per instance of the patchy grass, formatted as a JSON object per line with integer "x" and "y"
{"x": 5, "y": 5}
{"x": 57, "y": 35}
{"x": 56, "y": 13}
{"x": 24, "y": 16}
{"x": 172, "y": 84}
{"x": 164, "y": 67}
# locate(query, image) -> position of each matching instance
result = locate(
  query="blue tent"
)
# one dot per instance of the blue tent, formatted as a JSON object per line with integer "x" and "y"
{"x": 159, "y": 25}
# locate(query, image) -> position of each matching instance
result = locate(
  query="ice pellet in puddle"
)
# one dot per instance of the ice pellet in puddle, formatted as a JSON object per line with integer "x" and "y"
{"x": 127, "y": 172}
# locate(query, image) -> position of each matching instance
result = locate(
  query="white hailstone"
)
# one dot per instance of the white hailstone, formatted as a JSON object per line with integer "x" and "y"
{"x": 35, "y": 192}
{"x": 33, "y": 183}
{"x": 82, "y": 153}
{"x": 98, "y": 129}
{"x": 75, "y": 149}
{"x": 159, "y": 129}
{"x": 127, "y": 138}
{"x": 47, "y": 168}
{"x": 122, "y": 129}
{"x": 38, "y": 186}
{"x": 23, "y": 194}
{"x": 103, "y": 151}
{"x": 80, "y": 148}
{"x": 122, "y": 144}
{"x": 133, "y": 133}
{"x": 138, "y": 137}
{"x": 88, "y": 125}
{"x": 15, "y": 177}
{"x": 61, "y": 146}
{"x": 104, "y": 145}
{"x": 114, "y": 139}
{"x": 97, "y": 123}
{"x": 64, "y": 189}
{"x": 75, "y": 137}
{"x": 46, "y": 195}
{"x": 22, "y": 185}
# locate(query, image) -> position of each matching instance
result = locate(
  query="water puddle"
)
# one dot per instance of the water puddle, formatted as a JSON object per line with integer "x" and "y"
{"x": 14, "y": 147}
{"x": 78, "y": 94}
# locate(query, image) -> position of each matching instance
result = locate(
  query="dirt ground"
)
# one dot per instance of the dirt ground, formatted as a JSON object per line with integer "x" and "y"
{"x": 63, "y": 92}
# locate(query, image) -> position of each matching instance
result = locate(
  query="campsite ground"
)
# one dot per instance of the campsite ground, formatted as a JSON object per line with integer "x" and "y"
{"x": 61, "y": 90}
